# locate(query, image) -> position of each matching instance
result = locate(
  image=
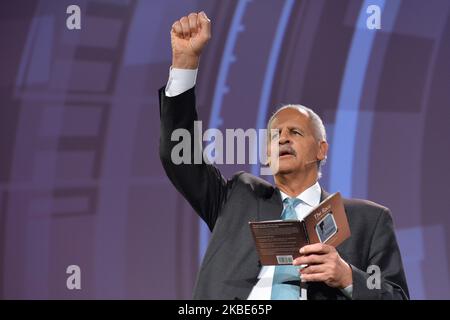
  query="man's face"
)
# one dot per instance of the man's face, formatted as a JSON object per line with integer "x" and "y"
{"x": 299, "y": 149}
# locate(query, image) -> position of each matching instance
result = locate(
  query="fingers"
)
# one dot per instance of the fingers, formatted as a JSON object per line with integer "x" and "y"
{"x": 313, "y": 269}
{"x": 310, "y": 259}
{"x": 193, "y": 25}
{"x": 314, "y": 277}
{"x": 316, "y": 248}
{"x": 324, "y": 265}
{"x": 176, "y": 28}
{"x": 185, "y": 26}
{"x": 189, "y": 26}
{"x": 205, "y": 25}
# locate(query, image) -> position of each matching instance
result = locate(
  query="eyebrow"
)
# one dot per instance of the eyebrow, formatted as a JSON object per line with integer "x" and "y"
{"x": 290, "y": 128}
{"x": 296, "y": 128}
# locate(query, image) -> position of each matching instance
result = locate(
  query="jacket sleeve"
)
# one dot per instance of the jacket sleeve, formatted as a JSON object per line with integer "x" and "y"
{"x": 385, "y": 254}
{"x": 200, "y": 183}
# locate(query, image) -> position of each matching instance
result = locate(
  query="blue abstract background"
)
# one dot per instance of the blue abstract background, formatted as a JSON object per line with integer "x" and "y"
{"x": 80, "y": 178}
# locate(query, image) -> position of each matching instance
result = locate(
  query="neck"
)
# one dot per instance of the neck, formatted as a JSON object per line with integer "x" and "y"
{"x": 295, "y": 183}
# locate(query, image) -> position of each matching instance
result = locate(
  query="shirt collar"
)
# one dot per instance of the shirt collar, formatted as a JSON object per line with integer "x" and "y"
{"x": 310, "y": 196}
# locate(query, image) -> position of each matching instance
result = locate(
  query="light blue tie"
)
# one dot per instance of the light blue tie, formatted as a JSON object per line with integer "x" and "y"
{"x": 281, "y": 290}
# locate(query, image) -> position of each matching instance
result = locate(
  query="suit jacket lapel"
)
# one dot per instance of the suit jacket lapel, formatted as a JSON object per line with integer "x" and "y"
{"x": 269, "y": 205}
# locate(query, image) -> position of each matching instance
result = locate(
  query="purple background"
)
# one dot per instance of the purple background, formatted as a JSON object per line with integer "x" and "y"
{"x": 80, "y": 178}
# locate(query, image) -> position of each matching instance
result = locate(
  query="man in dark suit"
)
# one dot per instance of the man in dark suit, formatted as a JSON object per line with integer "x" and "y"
{"x": 231, "y": 269}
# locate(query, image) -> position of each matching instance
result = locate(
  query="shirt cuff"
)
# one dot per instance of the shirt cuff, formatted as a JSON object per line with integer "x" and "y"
{"x": 348, "y": 291}
{"x": 180, "y": 80}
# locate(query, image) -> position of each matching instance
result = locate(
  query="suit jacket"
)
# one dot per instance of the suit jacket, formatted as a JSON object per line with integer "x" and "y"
{"x": 230, "y": 266}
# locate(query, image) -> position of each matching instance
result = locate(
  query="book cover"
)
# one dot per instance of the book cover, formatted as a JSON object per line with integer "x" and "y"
{"x": 278, "y": 241}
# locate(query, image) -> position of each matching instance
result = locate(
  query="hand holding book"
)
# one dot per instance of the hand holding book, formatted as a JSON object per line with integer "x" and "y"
{"x": 278, "y": 242}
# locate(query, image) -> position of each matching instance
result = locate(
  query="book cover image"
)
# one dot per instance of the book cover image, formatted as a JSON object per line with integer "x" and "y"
{"x": 278, "y": 242}
{"x": 326, "y": 228}
{"x": 327, "y": 223}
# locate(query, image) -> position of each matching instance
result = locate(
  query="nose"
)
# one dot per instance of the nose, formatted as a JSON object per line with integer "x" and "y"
{"x": 284, "y": 137}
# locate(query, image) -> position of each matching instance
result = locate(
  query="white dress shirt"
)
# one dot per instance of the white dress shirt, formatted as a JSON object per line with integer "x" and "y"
{"x": 263, "y": 288}
{"x": 181, "y": 80}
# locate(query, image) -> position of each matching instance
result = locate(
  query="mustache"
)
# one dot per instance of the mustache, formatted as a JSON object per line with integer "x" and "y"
{"x": 286, "y": 149}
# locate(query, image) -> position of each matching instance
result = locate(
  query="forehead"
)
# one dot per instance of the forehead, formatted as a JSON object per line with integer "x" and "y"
{"x": 291, "y": 117}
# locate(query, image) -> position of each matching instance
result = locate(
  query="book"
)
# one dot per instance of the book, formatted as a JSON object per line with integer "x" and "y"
{"x": 278, "y": 241}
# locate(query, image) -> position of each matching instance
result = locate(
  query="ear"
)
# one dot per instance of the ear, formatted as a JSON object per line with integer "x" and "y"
{"x": 323, "y": 150}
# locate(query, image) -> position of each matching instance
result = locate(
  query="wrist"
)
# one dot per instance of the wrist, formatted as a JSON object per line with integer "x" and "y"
{"x": 347, "y": 279}
{"x": 349, "y": 276}
{"x": 185, "y": 62}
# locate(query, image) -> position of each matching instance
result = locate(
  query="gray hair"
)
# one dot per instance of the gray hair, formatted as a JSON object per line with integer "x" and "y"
{"x": 317, "y": 125}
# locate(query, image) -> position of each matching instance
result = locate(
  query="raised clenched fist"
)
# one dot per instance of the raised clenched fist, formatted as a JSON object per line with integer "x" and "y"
{"x": 189, "y": 36}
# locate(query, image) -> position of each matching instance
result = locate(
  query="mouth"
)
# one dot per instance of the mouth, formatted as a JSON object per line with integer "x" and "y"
{"x": 286, "y": 153}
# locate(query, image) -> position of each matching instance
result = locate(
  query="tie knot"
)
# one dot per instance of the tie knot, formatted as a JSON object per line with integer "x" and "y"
{"x": 289, "y": 208}
{"x": 291, "y": 202}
